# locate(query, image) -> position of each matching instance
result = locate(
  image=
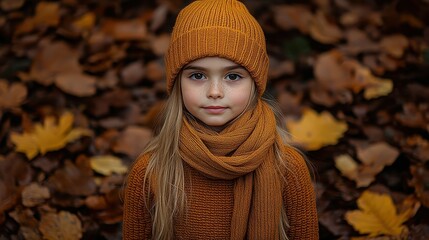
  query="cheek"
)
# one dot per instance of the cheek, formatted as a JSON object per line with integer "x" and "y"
{"x": 241, "y": 96}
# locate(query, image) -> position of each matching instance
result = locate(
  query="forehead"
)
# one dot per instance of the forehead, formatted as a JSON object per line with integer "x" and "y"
{"x": 213, "y": 63}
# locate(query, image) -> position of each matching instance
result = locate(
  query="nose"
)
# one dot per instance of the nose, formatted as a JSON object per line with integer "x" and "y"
{"x": 215, "y": 90}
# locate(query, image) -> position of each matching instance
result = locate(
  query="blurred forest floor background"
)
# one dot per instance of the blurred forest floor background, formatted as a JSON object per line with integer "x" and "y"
{"x": 81, "y": 82}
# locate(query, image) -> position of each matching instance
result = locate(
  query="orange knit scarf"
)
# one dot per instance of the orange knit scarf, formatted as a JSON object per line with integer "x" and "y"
{"x": 243, "y": 151}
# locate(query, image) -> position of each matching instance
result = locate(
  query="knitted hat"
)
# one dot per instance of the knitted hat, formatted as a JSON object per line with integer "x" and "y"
{"x": 222, "y": 28}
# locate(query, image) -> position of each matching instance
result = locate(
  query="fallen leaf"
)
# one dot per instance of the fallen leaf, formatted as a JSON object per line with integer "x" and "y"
{"x": 412, "y": 116}
{"x": 377, "y": 216}
{"x": 312, "y": 136}
{"x": 77, "y": 84}
{"x": 347, "y": 166}
{"x": 381, "y": 154}
{"x": 155, "y": 71}
{"x": 133, "y": 73}
{"x": 28, "y": 223}
{"x": 10, "y": 5}
{"x": 288, "y": 17}
{"x": 125, "y": 30}
{"x": 76, "y": 180}
{"x": 85, "y": 22}
{"x": 34, "y": 194}
{"x": 160, "y": 44}
{"x": 48, "y": 137}
{"x": 108, "y": 165}
{"x": 52, "y": 59}
{"x": 61, "y": 226}
{"x": 394, "y": 45}
{"x": 12, "y": 95}
{"x": 132, "y": 141}
{"x": 420, "y": 181}
{"x": 47, "y": 15}
{"x": 96, "y": 202}
{"x": 324, "y": 31}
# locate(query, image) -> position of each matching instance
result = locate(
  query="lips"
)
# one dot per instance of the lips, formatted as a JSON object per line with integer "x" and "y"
{"x": 214, "y": 109}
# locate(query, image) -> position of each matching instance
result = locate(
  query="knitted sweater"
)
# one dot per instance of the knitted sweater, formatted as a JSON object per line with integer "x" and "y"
{"x": 210, "y": 204}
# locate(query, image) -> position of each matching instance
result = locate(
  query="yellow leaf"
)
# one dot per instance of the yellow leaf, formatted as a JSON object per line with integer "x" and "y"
{"x": 107, "y": 165}
{"x": 347, "y": 166}
{"x": 26, "y": 144}
{"x": 48, "y": 137}
{"x": 378, "y": 87}
{"x": 377, "y": 216}
{"x": 85, "y": 22}
{"x": 314, "y": 130}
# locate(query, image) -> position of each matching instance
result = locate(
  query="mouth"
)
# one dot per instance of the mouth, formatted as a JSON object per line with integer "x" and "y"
{"x": 215, "y": 109}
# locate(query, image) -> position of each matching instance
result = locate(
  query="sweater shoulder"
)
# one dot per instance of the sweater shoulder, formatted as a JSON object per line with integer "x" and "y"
{"x": 294, "y": 159}
{"x": 138, "y": 169}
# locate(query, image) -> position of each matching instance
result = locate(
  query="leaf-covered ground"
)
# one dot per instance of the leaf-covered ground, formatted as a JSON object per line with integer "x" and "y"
{"x": 81, "y": 83}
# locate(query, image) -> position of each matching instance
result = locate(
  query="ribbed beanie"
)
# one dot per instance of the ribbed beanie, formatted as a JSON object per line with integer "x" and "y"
{"x": 222, "y": 28}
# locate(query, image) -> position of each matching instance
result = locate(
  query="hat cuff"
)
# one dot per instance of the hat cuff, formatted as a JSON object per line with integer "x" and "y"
{"x": 221, "y": 42}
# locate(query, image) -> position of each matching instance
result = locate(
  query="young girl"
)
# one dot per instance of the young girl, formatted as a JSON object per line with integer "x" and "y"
{"x": 219, "y": 167}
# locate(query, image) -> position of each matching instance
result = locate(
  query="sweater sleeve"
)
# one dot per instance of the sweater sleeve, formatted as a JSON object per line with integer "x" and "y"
{"x": 137, "y": 222}
{"x": 299, "y": 199}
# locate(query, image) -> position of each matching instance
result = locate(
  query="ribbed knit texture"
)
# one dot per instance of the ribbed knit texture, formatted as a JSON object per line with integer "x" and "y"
{"x": 222, "y": 28}
{"x": 210, "y": 204}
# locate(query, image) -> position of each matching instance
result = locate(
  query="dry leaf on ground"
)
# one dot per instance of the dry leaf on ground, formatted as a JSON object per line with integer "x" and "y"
{"x": 49, "y": 136}
{"x": 377, "y": 216}
{"x": 76, "y": 180}
{"x": 52, "y": 59}
{"x": 76, "y": 83}
{"x": 61, "y": 226}
{"x": 34, "y": 194}
{"x": 108, "y": 165}
{"x": 132, "y": 141}
{"x": 12, "y": 95}
{"x": 315, "y": 130}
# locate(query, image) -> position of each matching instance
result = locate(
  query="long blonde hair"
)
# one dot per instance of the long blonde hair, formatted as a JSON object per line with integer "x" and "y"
{"x": 165, "y": 173}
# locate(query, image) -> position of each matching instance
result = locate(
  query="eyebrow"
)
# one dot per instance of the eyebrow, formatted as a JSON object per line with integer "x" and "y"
{"x": 202, "y": 68}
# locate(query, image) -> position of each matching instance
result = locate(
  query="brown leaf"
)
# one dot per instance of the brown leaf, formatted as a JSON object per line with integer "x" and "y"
{"x": 324, "y": 31}
{"x": 61, "y": 226}
{"x": 412, "y": 116}
{"x": 278, "y": 68}
{"x": 10, "y": 5}
{"x": 289, "y": 17}
{"x": 358, "y": 42}
{"x": 155, "y": 71}
{"x": 160, "y": 44}
{"x": 416, "y": 146}
{"x": 12, "y": 95}
{"x": 73, "y": 179}
{"x": 14, "y": 172}
{"x": 394, "y": 45}
{"x": 34, "y": 194}
{"x": 28, "y": 223}
{"x": 133, "y": 73}
{"x": 379, "y": 154}
{"x": 420, "y": 182}
{"x": 132, "y": 141}
{"x": 53, "y": 59}
{"x": 109, "y": 80}
{"x": 125, "y": 30}
{"x": 76, "y": 83}
{"x": 96, "y": 202}
{"x": 47, "y": 15}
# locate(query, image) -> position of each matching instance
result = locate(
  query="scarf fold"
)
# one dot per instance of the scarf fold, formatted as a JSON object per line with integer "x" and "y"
{"x": 243, "y": 151}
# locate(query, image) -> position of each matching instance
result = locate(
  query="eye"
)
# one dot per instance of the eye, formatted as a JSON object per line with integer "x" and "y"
{"x": 233, "y": 77}
{"x": 197, "y": 76}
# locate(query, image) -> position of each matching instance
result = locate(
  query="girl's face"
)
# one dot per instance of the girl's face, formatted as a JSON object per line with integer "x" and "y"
{"x": 216, "y": 90}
